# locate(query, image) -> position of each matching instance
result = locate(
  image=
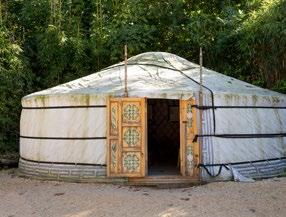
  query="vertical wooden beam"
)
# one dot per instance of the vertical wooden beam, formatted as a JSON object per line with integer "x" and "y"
{"x": 201, "y": 71}
{"x": 183, "y": 137}
{"x": 143, "y": 124}
{"x": 120, "y": 138}
{"x": 108, "y": 151}
{"x": 145, "y": 140}
{"x": 125, "y": 77}
{"x": 196, "y": 145}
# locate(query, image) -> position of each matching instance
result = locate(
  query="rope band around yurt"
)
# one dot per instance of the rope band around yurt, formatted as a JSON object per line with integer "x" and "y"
{"x": 238, "y": 107}
{"x": 241, "y": 136}
{"x": 62, "y": 138}
{"x": 226, "y": 165}
{"x": 65, "y": 107}
{"x": 64, "y": 163}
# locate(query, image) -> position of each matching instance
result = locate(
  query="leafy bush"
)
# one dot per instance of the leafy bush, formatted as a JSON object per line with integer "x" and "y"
{"x": 14, "y": 83}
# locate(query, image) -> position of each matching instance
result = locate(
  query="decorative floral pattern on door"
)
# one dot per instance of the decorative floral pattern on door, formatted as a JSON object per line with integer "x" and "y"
{"x": 126, "y": 136}
{"x": 189, "y": 160}
{"x": 131, "y": 112}
{"x": 113, "y": 155}
{"x": 189, "y": 115}
{"x": 131, "y": 137}
{"x": 114, "y": 119}
{"x": 131, "y": 162}
{"x": 190, "y": 151}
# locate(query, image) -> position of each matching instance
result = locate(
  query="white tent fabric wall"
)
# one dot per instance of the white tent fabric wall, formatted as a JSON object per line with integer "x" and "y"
{"x": 158, "y": 75}
{"x": 218, "y": 150}
{"x": 65, "y": 122}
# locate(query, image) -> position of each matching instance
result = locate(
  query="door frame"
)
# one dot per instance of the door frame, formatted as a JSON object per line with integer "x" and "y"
{"x": 187, "y": 135}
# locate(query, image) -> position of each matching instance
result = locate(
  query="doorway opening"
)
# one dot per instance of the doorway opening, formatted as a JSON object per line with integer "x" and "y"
{"x": 163, "y": 137}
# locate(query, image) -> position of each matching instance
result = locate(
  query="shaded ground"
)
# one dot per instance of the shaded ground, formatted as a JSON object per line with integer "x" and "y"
{"x": 9, "y": 160}
{"x": 24, "y": 197}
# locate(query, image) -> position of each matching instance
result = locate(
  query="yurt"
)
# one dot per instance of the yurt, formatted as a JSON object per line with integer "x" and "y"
{"x": 155, "y": 121}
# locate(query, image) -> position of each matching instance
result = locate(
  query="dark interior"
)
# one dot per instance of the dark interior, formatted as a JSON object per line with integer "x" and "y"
{"x": 163, "y": 137}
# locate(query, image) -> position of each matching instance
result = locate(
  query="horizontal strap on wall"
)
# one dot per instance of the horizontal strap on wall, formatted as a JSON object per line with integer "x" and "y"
{"x": 241, "y": 136}
{"x": 65, "y": 107}
{"x": 225, "y": 165}
{"x": 213, "y": 175}
{"x": 65, "y": 163}
{"x": 243, "y": 162}
{"x": 238, "y": 107}
{"x": 62, "y": 138}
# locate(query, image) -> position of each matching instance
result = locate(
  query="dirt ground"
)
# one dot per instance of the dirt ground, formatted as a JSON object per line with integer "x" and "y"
{"x": 25, "y": 197}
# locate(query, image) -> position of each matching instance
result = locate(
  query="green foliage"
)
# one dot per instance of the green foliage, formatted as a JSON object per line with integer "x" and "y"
{"x": 254, "y": 47}
{"x": 264, "y": 42}
{"x": 14, "y": 83}
{"x": 280, "y": 86}
{"x": 60, "y": 57}
{"x": 47, "y": 42}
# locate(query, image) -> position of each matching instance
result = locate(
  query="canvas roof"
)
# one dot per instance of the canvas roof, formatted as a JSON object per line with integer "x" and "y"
{"x": 155, "y": 74}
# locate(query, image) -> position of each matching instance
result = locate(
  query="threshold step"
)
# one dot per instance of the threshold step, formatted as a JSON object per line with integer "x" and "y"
{"x": 164, "y": 181}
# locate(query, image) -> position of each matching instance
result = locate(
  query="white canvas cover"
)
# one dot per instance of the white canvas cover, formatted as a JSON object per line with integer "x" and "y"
{"x": 155, "y": 75}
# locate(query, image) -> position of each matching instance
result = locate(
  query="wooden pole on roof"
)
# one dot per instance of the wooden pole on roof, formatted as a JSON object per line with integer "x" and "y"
{"x": 125, "y": 74}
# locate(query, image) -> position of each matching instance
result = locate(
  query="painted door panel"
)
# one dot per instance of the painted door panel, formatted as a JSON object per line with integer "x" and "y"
{"x": 126, "y": 137}
{"x": 189, "y": 150}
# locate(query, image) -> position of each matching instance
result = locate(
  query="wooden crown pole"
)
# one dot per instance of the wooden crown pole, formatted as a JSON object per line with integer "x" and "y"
{"x": 125, "y": 76}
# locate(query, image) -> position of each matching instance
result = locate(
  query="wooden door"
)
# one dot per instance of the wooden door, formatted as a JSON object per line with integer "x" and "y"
{"x": 127, "y": 137}
{"x": 189, "y": 150}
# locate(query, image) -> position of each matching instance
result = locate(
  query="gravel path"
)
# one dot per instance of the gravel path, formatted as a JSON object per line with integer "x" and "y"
{"x": 21, "y": 197}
